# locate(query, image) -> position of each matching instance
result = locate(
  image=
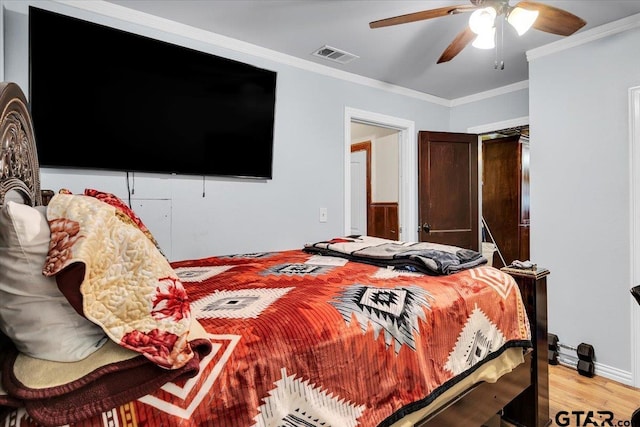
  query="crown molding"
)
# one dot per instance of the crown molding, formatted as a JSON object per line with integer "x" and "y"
{"x": 588, "y": 36}
{"x": 122, "y": 13}
{"x": 505, "y": 124}
{"x": 490, "y": 93}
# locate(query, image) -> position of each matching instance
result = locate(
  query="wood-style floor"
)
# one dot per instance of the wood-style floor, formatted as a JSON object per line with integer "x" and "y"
{"x": 569, "y": 391}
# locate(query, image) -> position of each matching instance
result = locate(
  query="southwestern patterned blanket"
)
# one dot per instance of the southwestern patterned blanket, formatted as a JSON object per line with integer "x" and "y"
{"x": 304, "y": 344}
{"x": 278, "y": 338}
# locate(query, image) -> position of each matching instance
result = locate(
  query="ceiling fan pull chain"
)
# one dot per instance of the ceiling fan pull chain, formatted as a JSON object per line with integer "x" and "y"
{"x": 502, "y": 42}
{"x": 500, "y": 46}
{"x": 495, "y": 61}
{"x": 497, "y": 48}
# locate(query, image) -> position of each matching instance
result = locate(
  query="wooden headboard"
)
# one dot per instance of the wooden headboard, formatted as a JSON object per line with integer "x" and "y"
{"x": 19, "y": 168}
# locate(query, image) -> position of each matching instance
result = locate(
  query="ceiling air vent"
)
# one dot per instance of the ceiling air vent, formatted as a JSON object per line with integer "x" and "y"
{"x": 335, "y": 55}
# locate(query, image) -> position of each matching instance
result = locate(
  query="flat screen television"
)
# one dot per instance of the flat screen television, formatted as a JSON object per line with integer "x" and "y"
{"x": 106, "y": 99}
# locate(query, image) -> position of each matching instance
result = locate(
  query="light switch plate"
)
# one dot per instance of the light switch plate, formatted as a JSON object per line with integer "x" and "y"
{"x": 323, "y": 214}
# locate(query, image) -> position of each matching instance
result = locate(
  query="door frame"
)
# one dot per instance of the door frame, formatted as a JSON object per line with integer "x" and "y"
{"x": 487, "y": 128}
{"x": 366, "y": 147}
{"x": 408, "y": 168}
{"x": 634, "y": 164}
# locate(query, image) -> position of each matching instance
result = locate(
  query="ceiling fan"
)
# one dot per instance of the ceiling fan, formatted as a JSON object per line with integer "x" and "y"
{"x": 481, "y": 28}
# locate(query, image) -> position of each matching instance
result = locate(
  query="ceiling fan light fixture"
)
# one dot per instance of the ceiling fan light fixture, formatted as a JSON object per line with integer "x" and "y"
{"x": 482, "y": 20}
{"x": 486, "y": 40}
{"x": 522, "y": 19}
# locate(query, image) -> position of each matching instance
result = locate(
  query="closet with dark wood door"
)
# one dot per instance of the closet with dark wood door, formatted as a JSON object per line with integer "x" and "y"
{"x": 505, "y": 197}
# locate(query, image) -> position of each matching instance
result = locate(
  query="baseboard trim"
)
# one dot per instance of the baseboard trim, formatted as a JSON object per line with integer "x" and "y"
{"x": 600, "y": 369}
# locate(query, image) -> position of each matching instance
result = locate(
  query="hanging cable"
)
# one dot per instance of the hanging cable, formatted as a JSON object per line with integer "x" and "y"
{"x": 128, "y": 190}
{"x": 203, "y": 182}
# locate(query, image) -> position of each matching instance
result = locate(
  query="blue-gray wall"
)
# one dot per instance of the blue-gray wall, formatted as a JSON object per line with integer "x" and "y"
{"x": 489, "y": 110}
{"x": 580, "y": 190}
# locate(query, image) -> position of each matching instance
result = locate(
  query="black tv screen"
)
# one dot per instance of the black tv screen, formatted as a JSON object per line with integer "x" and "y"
{"x": 107, "y": 99}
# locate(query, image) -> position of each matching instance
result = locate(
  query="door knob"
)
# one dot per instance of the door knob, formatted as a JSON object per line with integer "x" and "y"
{"x": 426, "y": 227}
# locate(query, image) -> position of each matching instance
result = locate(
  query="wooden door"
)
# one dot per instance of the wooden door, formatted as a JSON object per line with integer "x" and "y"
{"x": 448, "y": 188}
{"x": 383, "y": 220}
{"x": 505, "y": 196}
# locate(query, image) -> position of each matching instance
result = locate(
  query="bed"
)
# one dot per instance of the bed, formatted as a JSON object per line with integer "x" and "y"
{"x": 115, "y": 334}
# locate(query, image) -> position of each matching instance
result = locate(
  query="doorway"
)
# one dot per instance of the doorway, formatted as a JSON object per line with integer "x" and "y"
{"x": 505, "y": 194}
{"x": 503, "y": 128}
{"x": 407, "y": 169}
{"x": 375, "y": 181}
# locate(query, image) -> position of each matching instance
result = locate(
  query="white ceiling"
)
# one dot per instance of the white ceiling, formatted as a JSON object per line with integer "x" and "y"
{"x": 404, "y": 55}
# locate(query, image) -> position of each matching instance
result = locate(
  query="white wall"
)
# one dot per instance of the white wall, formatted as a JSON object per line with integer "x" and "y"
{"x": 580, "y": 202}
{"x": 238, "y": 215}
{"x": 385, "y": 159}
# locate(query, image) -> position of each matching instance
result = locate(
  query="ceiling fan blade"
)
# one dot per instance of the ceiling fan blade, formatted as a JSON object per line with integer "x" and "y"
{"x": 552, "y": 19}
{"x": 463, "y": 38}
{"x": 420, "y": 16}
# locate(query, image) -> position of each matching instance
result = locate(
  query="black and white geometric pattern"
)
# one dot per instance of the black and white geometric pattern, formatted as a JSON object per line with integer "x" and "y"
{"x": 296, "y": 403}
{"x": 236, "y": 304}
{"x": 478, "y": 338}
{"x": 199, "y": 274}
{"x": 250, "y": 255}
{"x": 391, "y": 311}
{"x": 296, "y": 269}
